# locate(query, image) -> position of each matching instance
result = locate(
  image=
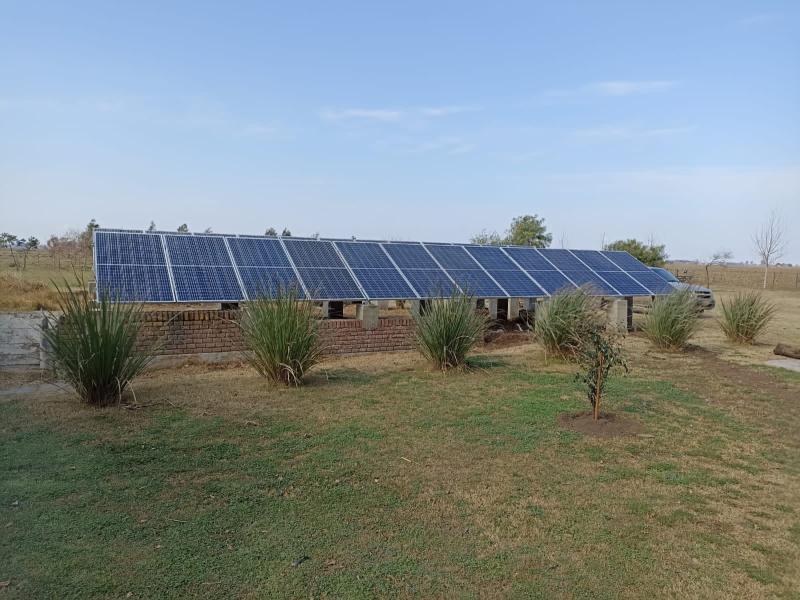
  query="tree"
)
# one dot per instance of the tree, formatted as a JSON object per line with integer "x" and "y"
{"x": 152, "y": 227}
{"x": 9, "y": 240}
{"x": 770, "y": 243}
{"x": 271, "y": 232}
{"x": 720, "y": 257}
{"x": 208, "y": 230}
{"x": 32, "y": 243}
{"x": 529, "y": 230}
{"x": 183, "y": 228}
{"x": 600, "y": 354}
{"x": 487, "y": 239}
{"x": 650, "y": 254}
{"x": 286, "y": 232}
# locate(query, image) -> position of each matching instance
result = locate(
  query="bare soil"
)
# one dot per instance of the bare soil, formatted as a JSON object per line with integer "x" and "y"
{"x": 608, "y": 425}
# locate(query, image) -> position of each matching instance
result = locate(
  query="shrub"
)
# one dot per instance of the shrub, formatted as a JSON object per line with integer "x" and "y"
{"x": 600, "y": 354}
{"x": 93, "y": 345}
{"x": 282, "y": 337}
{"x": 448, "y": 329}
{"x": 563, "y": 321}
{"x": 746, "y": 316}
{"x": 672, "y": 320}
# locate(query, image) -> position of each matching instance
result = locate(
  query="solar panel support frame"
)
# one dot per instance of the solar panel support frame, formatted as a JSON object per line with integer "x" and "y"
{"x": 236, "y": 269}
{"x": 528, "y": 275}
{"x": 169, "y": 267}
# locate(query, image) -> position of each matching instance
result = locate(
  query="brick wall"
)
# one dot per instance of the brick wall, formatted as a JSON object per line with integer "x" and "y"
{"x": 201, "y": 331}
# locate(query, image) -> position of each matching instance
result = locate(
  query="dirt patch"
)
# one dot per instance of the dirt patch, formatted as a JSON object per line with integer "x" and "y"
{"x": 505, "y": 339}
{"x": 608, "y": 425}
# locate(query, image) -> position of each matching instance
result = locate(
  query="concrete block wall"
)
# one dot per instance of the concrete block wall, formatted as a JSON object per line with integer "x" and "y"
{"x": 213, "y": 331}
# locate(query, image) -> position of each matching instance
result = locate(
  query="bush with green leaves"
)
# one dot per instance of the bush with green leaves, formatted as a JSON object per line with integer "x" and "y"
{"x": 672, "y": 320}
{"x": 600, "y": 355}
{"x": 746, "y": 316}
{"x": 93, "y": 345}
{"x": 447, "y": 329}
{"x": 282, "y": 337}
{"x": 563, "y": 322}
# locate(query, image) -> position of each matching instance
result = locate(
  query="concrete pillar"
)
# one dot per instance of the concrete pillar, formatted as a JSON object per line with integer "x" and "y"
{"x": 368, "y": 314}
{"x": 629, "y": 310}
{"x": 513, "y": 309}
{"x": 325, "y": 309}
{"x": 491, "y": 304}
{"x": 617, "y": 315}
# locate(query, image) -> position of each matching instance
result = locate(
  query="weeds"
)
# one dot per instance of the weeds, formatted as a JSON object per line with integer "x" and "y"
{"x": 563, "y": 322}
{"x": 448, "y": 329}
{"x": 672, "y": 320}
{"x": 745, "y": 317}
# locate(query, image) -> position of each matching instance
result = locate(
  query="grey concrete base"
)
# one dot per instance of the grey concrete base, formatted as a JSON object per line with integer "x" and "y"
{"x": 793, "y": 364}
{"x": 617, "y": 315}
{"x": 368, "y": 314}
{"x": 491, "y": 304}
{"x": 170, "y": 361}
{"x": 513, "y": 309}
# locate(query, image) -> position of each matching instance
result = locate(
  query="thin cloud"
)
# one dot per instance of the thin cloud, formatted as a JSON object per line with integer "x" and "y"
{"x": 628, "y": 88}
{"x": 393, "y": 115}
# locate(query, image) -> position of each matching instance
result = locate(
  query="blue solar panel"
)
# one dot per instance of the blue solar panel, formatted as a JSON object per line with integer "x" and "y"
{"x": 206, "y": 284}
{"x": 193, "y": 250}
{"x": 364, "y": 255}
{"x": 476, "y": 282}
{"x": 134, "y": 283}
{"x": 551, "y": 281}
{"x": 652, "y": 282}
{"x": 491, "y": 258}
{"x": 623, "y": 283}
{"x": 562, "y": 259}
{"x": 330, "y": 284}
{"x": 593, "y": 280}
{"x": 529, "y": 258}
{"x": 430, "y": 283}
{"x": 312, "y": 253}
{"x": 129, "y": 249}
{"x": 268, "y": 282}
{"x": 625, "y": 261}
{"x": 258, "y": 252}
{"x": 517, "y": 283}
{"x": 410, "y": 256}
{"x": 383, "y": 283}
{"x": 595, "y": 260}
{"x": 451, "y": 257}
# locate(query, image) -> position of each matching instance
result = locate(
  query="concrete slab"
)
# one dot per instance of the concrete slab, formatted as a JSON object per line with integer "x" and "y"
{"x": 793, "y": 364}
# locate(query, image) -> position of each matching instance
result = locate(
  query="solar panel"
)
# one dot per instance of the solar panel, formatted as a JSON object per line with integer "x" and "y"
{"x": 491, "y": 258}
{"x": 430, "y": 283}
{"x": 451, "y": 257}
{"x": 625, "y": 261}
{"x": 529, "y": 258}
{"x": 117, "y": 248}
{"x": 313, "y": 253}
{"x": 505, "y": 271}
{"x": 206, "y": 284}
{"x": 410, "y": 256}
{"x": 551, "y": 281}
{"x": 258, "y": 252}
{"x": 330, "y": 284}
{"x": 623, "y": 283}
{"x": 268, "y": 282}
{"x": 652, "y": 282}
{"x": 364, "y": 255}
{"x": 134, "y": 283}
{"x": 585, "y": 277}
{"x": 562, "y": 259}
{"x": 476, "y": 282}
{"x": 197, "y": 251}
{"x": 595, "y": 260}
{"x": 384, "y": 284}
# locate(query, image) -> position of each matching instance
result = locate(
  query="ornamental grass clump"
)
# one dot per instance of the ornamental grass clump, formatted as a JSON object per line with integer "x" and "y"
{"x": 672, "y": 320}
{"x": 282, "y": 337}
{"x": 563, "y": 322}
{"x": 447, "y": 329}
{"x": 93, "y": 345}
{"x": 746, "y": 316}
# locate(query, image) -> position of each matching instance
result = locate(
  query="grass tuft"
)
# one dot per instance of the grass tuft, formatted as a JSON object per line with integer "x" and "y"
{"x": 672, "y": 320}
{"x": 448, "y": 329}
{"x": 93, "y": 345}
{"x": 282, "y": 337}
{"x": 563, "y": 322}
{"x": 746, "y": 316}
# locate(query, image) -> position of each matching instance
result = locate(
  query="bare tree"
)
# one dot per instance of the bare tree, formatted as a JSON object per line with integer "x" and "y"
{"x": 720, "y": 257}
{"x": 770, "y": 243}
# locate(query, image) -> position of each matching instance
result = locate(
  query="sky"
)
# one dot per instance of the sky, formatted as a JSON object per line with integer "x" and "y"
{"x": 672, "y": 121}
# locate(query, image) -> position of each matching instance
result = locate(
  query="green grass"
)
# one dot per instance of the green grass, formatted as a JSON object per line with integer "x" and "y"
{"x": 397, "y": 483}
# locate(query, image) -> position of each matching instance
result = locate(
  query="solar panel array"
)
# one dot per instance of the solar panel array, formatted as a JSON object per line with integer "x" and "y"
{"x": 137, "y": 266}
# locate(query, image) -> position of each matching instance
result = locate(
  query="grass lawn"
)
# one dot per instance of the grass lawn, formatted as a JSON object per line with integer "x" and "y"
{"x": 381, "y": 478}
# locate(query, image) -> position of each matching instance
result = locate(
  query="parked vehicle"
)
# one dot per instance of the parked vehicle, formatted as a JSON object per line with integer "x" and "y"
{"x": 705, "y": 297}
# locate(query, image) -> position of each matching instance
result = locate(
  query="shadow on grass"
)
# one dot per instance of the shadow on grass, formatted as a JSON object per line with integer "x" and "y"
{"x": 485, "y": 362}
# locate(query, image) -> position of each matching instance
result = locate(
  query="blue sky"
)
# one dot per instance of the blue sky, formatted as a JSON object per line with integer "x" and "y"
{"x": 676, "y": 120}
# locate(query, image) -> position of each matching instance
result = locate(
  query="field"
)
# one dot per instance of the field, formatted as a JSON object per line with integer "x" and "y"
{"x": 383, "y": 478}
{"x": 740, "y": 276}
